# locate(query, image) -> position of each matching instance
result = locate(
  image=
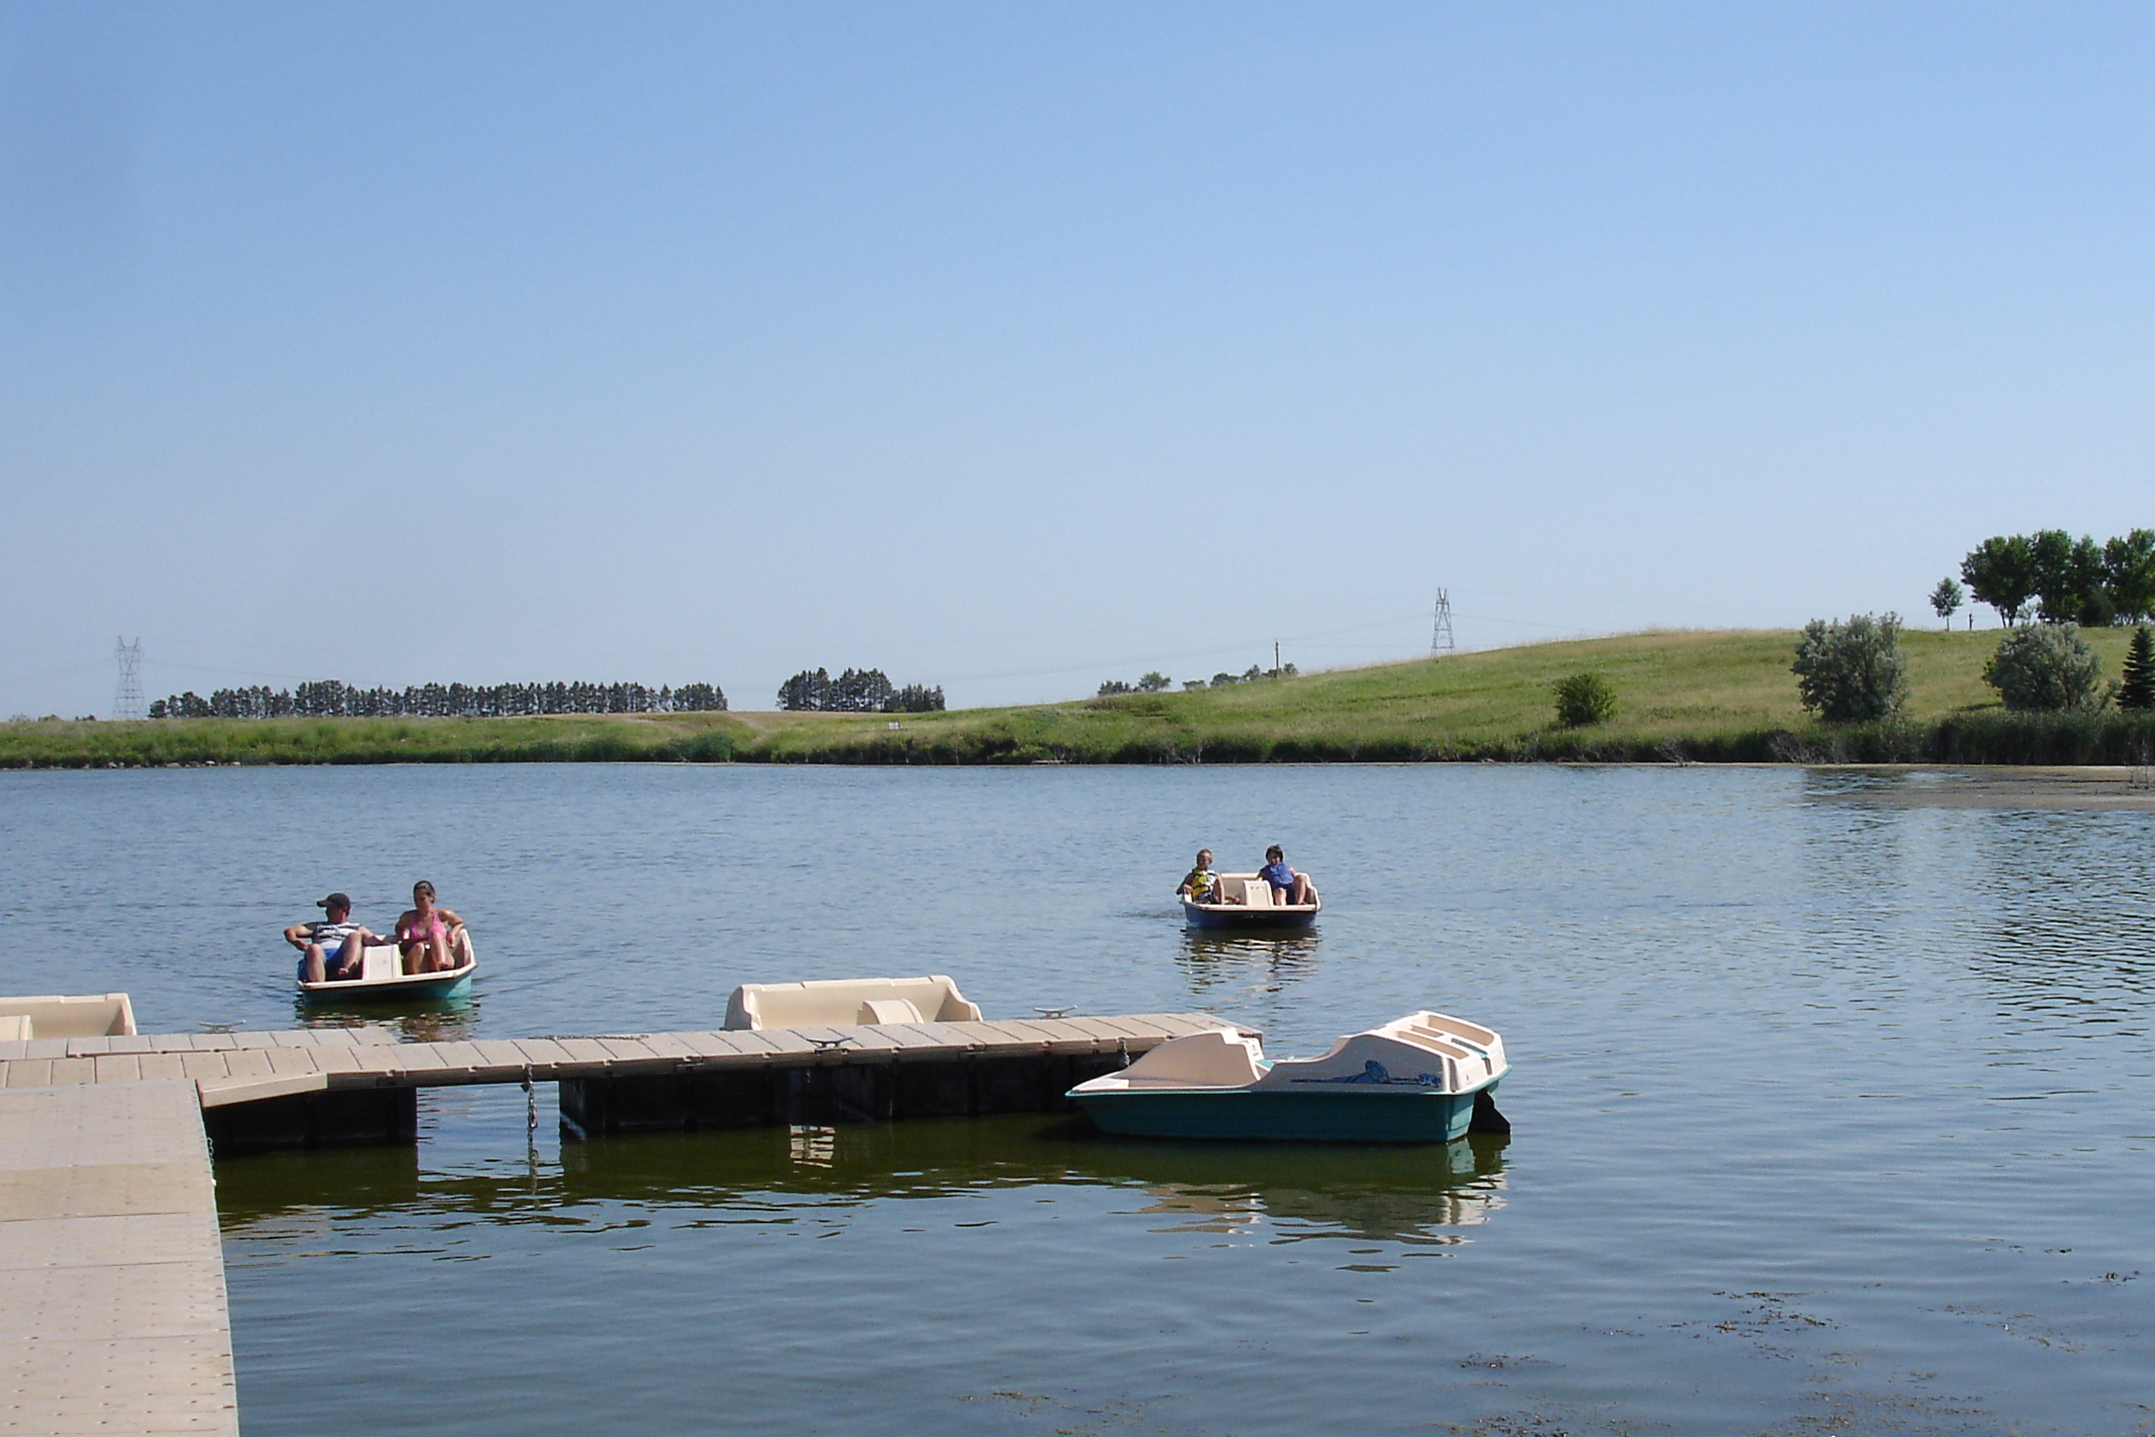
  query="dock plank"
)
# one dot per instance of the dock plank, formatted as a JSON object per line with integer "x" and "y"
{"x": 116, "y": 1068}
{"x": 545, "y": 1055}
{"x": 198, "y": 1066}
{"x": 29, "y": 1073}
{"x": 74, "y": 1070}
{"x": 248, "y": 1063}
{"x": 721, "y": 1046}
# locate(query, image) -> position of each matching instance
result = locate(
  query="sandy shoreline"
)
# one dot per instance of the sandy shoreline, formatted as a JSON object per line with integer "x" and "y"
{"x": 2094, "y": 787}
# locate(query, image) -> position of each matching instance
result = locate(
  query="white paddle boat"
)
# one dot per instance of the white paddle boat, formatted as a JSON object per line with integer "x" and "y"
{"x": 382, "y": 977}
{"x": 1423, "y": 1078}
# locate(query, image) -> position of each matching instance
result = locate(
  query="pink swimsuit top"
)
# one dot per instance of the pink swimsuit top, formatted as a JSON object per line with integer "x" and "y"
{"x": 419, "y": 932}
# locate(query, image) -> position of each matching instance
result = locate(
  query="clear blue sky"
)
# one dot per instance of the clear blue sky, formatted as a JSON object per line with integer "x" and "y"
{"x": 1014, "y": 347}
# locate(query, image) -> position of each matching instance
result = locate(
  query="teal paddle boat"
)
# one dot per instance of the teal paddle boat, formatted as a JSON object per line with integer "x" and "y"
{"x": 1423, "y": 1078}
{"x": 382, "y": 977}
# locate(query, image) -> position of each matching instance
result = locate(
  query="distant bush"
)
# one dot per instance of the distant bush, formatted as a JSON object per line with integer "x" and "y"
{"x": 1853, "y": 672}
{"x": 2045, "y": 668}
{"x": 1583, "y": 700}
{"x": 1159, "y": 683}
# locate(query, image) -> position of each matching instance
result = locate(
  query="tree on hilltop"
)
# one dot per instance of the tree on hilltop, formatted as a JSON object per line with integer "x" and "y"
{"x": 2000, "y": 572}
{"x": 2129, "y": 573}
{"x": 1945, "y": 599}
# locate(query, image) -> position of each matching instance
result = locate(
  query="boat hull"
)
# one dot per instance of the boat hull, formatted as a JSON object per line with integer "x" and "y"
{"x": 1243, "y": 1115}
{"x": 384, "y": 980}
{"x": 1234, "y": 916}
{"x": 453, "y": 984}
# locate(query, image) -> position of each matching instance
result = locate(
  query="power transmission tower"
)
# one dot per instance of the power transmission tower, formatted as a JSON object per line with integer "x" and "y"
{"x": 1440, "y": 636}
{"x": 127, "y": 701}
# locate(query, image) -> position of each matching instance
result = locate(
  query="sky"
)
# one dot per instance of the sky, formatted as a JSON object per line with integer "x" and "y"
{"x": 1016, "y": 347}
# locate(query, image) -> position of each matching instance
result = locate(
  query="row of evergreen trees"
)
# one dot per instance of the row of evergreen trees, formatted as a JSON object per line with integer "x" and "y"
{"x": 2067, "y": 580}
{"x": 328, "y": 698}
{"x": 856, "y": 691}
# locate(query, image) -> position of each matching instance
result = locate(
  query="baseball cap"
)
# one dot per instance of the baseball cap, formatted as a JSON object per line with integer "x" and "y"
{"x": 335, "y": 900}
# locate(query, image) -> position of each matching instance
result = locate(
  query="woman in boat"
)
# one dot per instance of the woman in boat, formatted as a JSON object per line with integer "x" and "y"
{"x": 1287, "y": 885}
{"x": 431, "y": 939}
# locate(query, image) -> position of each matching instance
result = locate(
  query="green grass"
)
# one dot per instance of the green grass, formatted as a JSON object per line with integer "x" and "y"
{"x": 1710, "y": 695}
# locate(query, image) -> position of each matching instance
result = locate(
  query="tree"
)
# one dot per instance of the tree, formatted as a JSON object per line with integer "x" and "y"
{"x": 805, "y": 692}
{"x": 1154, "y": 682}
{"x": 916, "y": 699}
{"x": 2129, "y": 575}
{"x": 2069, "y": 579}
{"x": 1852, "y": 672}
{"x": 859, "y": 691}
{"x": 2137, "y": 691}
{"x": 2000, "y": 572}
{"x": 1110, "y": 687}
{"x": 1945, "y": 599}
{"x": 2045, "y": 668}
{"x": 1583, "y": 700}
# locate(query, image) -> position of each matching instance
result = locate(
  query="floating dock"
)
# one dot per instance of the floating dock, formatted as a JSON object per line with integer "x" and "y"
{"x": 115, "y": 1318}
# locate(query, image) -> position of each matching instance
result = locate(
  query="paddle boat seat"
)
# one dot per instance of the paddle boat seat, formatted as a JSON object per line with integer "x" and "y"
{"x": 98, "y": 1015}
{"x": 849, "y": 1002}
{"x": 1202, "y": 1060}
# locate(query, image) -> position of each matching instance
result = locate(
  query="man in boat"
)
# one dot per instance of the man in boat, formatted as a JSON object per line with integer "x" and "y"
{"x": 1287, "y": 885}
{"x": 1201, "y": 884}
{"x": 332, "y": 944}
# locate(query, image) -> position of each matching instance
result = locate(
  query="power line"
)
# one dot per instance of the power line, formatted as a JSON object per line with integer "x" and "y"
{"x": 127, "y": 701}
{"x": 1440, "y": 633}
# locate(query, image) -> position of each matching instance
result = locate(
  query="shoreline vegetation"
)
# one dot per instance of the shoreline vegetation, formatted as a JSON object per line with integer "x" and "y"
{"x": 1696, "y": 696}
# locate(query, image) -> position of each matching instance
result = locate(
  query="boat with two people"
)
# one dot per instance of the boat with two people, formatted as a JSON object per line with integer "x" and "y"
{"x": 430, "y": 954}
{"x": 1274, "y": 897}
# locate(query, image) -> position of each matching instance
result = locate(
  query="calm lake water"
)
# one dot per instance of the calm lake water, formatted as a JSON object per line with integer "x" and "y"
{"x": 1829, "y": 1117}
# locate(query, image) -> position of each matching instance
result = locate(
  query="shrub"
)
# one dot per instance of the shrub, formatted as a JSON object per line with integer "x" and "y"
{"x": 2045, "y": 668}
{"x": 2138, "y": 689}
{"x": 1852, "y": 672}
{"x": 1583, "y": 700}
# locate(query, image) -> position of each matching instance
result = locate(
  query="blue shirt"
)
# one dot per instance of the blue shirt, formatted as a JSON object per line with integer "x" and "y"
{"x": 1279, "y": 875}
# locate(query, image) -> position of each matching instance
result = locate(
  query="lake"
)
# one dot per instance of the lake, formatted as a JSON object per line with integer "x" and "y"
{"x": 1828, "y": 1113}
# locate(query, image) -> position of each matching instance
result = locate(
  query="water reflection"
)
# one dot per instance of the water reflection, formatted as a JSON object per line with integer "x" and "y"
{"x": 1214, "y": 962}
{"x": 415, "y": 1020}
{"x": 1410, "y": 1195}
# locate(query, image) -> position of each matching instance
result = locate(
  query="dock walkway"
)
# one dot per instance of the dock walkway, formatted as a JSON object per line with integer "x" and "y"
{"x": 114, "y": 1318}
{"x": 322, "y": 1086}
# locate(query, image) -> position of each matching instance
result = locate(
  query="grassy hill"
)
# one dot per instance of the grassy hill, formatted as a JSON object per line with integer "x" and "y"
{"x": 1703, "y": 695}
